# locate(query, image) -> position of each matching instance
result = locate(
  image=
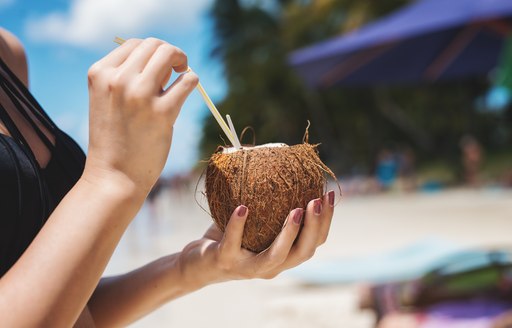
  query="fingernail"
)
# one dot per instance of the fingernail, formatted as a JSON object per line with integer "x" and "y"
{"x": 241, "y": 210}
{"x": 331, "y": 198}
{"x": 318, "y": 206}
{"x": 297, "y": 215}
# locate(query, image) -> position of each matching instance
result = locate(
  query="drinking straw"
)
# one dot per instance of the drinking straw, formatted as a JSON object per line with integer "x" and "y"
{"x": 215, "y": 113}
{"x": 231, "y": 136}
{"x": 233, "y": 133}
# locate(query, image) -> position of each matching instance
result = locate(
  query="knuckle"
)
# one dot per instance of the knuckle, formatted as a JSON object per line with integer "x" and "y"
{"x": 306, "y": 255}
{"x": 224, "y": 262}
{"x": 173, "y": 51}
{"x": 192, "y": 79}
{"x": 189, "y": 80}
{"x": 153, "y": 41}
{"x": 116, "y": 81}
{"x": 169, "y": 49}
{"x": 175, "y": 54}
{"x": 93, "y": 72}
{"x": 269, "y": 275}
{"x": 323, "y": 240}
{"x": 133, "y": 40}
{"x": 275, "y": 259}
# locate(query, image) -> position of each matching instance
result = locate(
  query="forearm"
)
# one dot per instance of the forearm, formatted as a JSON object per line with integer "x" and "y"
{"x": 120, "y": 300}
{"x": 56, "y": 276}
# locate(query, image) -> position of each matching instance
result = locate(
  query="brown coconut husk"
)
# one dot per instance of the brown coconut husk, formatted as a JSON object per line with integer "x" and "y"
{"x": 270, "y": 181}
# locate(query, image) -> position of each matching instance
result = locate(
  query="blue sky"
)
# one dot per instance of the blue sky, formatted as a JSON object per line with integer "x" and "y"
{"x": 63, "y": 38}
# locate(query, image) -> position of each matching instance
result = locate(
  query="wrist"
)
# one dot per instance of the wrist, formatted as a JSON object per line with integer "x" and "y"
{"x": 114, "y": 184}
{"x": 197, "y": 267}
{"x": 177, "y": 277}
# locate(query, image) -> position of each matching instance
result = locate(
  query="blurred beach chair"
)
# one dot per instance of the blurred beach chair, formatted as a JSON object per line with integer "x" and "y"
{"x": 405, "y": 263}
{"x": 471, "y": 291}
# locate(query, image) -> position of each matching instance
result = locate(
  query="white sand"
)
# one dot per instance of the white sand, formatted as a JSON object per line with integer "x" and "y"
{"x": 362, "y": 226}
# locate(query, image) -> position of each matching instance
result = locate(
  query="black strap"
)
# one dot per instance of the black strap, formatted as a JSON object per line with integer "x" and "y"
{"x": 13, "y": 94}
{"x": 6, "y": 85}
{"x": 29, "y": 100}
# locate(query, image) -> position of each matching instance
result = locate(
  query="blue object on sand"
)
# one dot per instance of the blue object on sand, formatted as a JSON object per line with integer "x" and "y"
{"x": 402, "y": 264}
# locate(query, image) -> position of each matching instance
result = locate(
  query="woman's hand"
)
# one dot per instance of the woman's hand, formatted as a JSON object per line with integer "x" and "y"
{"x": 219, "y": 257}
{"x": 131, "y": 115}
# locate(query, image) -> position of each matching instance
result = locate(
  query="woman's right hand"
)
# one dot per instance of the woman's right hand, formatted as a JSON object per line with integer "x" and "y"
{"x": 131, "y": 115}
{"x": 219, "y": 256}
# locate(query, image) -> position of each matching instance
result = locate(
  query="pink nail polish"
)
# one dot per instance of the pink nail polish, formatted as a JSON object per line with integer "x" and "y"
{"x": 241, "y": 211}
{"x": 318, "y": 206}
{"x": 331, "y": 195}
{"x": 297, "y": 216}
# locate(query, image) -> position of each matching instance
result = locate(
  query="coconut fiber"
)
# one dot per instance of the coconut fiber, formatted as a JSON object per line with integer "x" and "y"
{"x": 270, "y": 181}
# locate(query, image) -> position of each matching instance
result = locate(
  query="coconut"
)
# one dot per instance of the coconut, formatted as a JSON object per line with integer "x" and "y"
{"x": 271, "y": 180}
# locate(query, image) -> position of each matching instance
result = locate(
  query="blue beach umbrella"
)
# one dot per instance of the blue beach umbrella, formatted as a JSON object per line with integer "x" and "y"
{"x": 428, "y": 40}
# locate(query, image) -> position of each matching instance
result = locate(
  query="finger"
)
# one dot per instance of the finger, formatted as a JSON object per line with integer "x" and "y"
{"x": 306, "y": 244}
{"x": 160, "y": 66}
{"x": 278, "y": 252}
{"x": 174, "y": 97}
{"x": 232, "y": 239}
{"x": 326, "y": 216}
{"x": 139, "y": 57}
{"x": 117, "y": 56}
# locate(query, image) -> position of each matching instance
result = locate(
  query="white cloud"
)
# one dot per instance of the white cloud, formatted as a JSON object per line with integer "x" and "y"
{"x": 90, "y": 23}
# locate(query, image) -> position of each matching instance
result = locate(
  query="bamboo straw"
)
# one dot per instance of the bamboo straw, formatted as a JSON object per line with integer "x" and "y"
{"x": 232, "y": 138}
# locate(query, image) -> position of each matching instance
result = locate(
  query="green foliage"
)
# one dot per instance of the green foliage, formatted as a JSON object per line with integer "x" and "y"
{"x": 496, "y": 165}
{"x": 352, "y": 124}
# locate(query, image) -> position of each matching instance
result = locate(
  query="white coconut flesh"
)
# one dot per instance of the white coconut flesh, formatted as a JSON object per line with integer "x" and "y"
{"x": 230, "y": 150}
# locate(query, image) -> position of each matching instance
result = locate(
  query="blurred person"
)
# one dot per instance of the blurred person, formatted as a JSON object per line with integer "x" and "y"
{"x": 506, "y": 179}
{"x": 62, "y": 215}
{"x": 386, "y": 169}
{"x": 472, "y": 158}
{"x": 407, "y": 168}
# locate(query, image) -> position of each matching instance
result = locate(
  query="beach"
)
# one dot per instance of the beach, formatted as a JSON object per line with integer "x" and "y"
{"x": 362, "y": 227}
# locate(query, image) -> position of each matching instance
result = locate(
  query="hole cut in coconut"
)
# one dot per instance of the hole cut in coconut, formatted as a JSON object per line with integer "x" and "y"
{"x": 271, "y": 180}
{"x": 229, "y": 150}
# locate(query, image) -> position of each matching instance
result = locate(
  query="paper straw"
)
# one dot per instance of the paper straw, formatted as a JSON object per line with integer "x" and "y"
{"x": 215, "y": 113}
{"x": 209, "y": 104}
{"x": 233, "y": 133}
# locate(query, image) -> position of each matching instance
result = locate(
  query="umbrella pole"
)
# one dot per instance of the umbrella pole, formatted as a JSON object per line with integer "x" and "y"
{"x": 454, "y": 49}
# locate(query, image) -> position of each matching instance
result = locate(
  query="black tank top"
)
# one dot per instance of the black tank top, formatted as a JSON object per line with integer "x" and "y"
{"x": 39, "y": 164}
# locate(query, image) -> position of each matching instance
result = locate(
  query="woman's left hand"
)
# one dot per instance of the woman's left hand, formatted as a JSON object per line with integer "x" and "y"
{"x": 219, "y": 257}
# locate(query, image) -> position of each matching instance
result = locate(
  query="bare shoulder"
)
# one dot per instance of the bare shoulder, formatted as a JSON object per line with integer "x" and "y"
{"x": 13, "y": 54}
